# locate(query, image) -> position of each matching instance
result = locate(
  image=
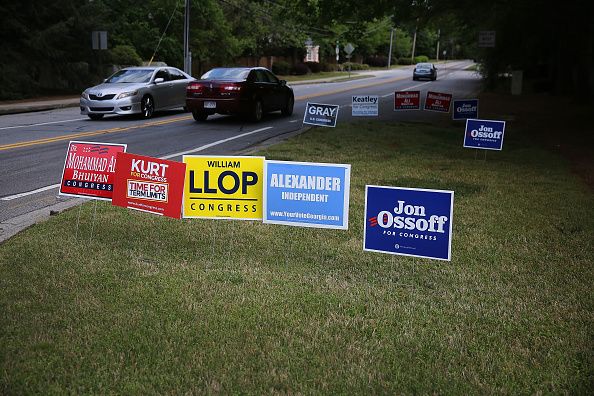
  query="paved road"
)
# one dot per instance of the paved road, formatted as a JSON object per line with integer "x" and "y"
{"x": 33, "y": 146}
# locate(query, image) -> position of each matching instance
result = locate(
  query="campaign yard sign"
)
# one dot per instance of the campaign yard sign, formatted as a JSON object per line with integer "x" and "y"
{"x": 223, "y": 187}
{"x": 437, "y": 101}
{"x": 321, "y": 114}
{"x": 89, "y": 169}
{"x": 484, "y": 134}
{"x": 307, "y": 194}
{"x": 149, "y": 184}
{"x": 365, "y": 105}
{"x": 465, "y": 109}
{"x": 409, "y": 221}
{"x": 407, "y": 100}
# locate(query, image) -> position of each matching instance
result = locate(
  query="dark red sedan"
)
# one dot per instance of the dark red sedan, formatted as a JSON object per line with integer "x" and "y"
{"x": 249, "y": 91}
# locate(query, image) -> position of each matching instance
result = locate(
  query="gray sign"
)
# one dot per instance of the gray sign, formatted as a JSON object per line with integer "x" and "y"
{"x": 99, "y": 39}
{"x": 321, "y": 114}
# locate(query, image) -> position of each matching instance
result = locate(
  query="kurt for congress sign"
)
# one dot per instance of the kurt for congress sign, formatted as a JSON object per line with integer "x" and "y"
{"x": 407, "y": 100}
{"x": 365, "y": 105}
{"x": 89, "y": 169}
{"x": 149, "y": 184}
{"x": 484, "y": 134}
{"x": 436, "y": 101}
{"x": 409, "y": 221}
{"x": 465, "y": 109}
{"x": 307, "y": 194}
{"x": 321, "y": 114}
{"x": 223, "y": 187}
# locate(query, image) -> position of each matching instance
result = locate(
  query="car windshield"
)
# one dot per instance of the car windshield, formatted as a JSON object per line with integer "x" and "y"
{"x": 235, "y": 73}
{"x": 423, "y": 66}
{"x": 131, "y": 76}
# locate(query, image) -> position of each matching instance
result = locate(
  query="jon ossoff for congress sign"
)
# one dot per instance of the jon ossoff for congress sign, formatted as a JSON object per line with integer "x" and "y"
{"x": 409, "y": 221}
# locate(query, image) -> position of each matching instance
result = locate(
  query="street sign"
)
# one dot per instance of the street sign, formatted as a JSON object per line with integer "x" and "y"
{"x": 349, "y": 48}
{"x": 321, "y": 114}
{"x": 465, "y": 109}
{"x": 99, "y": 40}
{"x": 484, "y": 134}
{"x": 307, "y": 194}
{"x": 408, "y": 221}
{"x": 486, "y": 38}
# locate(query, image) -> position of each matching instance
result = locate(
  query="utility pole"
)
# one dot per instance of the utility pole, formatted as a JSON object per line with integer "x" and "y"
{"x": 412, "y": 57}
{"x": 187, "y": 54}
{"x": 390, "y": 52}
{"x": 437, "y": 52}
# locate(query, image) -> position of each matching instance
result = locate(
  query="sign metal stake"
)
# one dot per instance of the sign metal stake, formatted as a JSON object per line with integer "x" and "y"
{"x": 94, "y": 216}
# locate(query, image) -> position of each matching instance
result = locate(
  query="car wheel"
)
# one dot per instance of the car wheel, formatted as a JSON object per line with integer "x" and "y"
{"x": 95, "y": 117}
{"x": 147, "y": 107}
{"x": 257, "y": 111}
{"x": 199, "y": 115}
{"x": 288, "y": 109}
{"x": 414, "y": 79}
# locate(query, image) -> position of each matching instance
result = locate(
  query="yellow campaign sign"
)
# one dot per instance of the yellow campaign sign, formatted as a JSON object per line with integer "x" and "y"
{"x": 223, "y": 187}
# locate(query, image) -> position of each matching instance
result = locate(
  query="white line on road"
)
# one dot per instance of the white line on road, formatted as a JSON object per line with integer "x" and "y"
{"x": 194, "y": 150}
{"x": 42, "y": 123}
{"x": 294, "y": 120}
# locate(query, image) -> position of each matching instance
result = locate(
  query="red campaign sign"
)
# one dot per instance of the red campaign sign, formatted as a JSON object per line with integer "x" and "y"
{"x": 89, "y": 169}
{"x": 407, "y": 100}
{"x": 149, "y": 184}
{"x": 437, "y": 101}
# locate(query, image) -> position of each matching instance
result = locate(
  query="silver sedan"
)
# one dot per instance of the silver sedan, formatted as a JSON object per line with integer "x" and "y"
{"x": 136, "y": 90}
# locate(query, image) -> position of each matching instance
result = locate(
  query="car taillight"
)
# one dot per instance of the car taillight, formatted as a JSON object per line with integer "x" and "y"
{"x": 194, "y": 87}
{"x": 231, "y": 87}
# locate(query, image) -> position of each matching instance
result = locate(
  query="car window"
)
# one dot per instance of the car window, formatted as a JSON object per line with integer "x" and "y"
{"x": 261, "y": 76}
{"x": 226, "y": 73}
{"x": 131, "y": 76}
{"x": 176, "y": 74}
{"x": 271, "y": 77}
{"x": 162, "y": 74}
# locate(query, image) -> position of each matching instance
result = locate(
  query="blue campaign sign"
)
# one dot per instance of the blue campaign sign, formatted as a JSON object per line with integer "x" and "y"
{"x": 465, "y": 109}
{"x": 484, "y": 134}
{"x": 409, "y": 221}
{"x": 321, "y": 114}
{"x": 307, "y": 194}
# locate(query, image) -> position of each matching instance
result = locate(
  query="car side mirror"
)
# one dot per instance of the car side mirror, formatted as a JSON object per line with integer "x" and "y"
{"x": 283, "y": 82}
{"x": 159, "y": 80}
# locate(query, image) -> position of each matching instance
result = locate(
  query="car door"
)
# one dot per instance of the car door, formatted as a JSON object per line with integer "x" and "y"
{"x": 262, "y": 88}
{"x": 180, "y": 82}
{"x": 162, "y": 92}
{"x": 277, "y": 91}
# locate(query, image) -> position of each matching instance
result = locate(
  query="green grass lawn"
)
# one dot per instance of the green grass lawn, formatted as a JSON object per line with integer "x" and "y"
{"x": 325, "y": 75}
{"x": 149, "y": 305}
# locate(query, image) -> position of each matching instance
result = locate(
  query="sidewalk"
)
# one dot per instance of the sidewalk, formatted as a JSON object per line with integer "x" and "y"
{"x": 27, "y": 106}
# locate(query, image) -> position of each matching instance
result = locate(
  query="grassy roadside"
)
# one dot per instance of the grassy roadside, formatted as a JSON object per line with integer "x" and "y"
{"x": 153, "y": 305}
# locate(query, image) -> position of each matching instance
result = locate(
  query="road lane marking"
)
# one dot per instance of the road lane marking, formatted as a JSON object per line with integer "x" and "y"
{"x": 91, "y": 133}
{"x": 41, "y": 123}
{"x": 294, "y": 120}
{"x": 194, "y": 150}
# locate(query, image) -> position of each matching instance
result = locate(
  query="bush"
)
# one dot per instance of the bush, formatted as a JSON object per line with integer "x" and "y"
{"x": 421, "y": 59}
{"x": 354, "y": 66}
{"x": 405, "y": 61}
{"x": 329, "y": 67}
{"x": 315, "y": 67}
{"x": 125, "y": 55}
{"x": 300, "y": 69}
{"x": 377, "y": 61}
{"x": 281, "y": 67}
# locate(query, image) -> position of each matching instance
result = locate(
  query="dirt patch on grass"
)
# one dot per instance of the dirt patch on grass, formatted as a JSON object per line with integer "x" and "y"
{"x": 559, "y": 123}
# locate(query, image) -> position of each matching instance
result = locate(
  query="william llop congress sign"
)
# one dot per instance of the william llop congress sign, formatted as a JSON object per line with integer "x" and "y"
{"x": 409, "y": 221}
{"x": 307, "y": 194}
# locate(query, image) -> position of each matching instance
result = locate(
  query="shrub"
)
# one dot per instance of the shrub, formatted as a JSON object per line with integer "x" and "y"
{"x": 300, "y": 69}
{"x": 354, "y": 66}
{"x": 315, "y": 67}
{"x": 329, "y": 67}
{"x": 125, "y": 55}
{"x": 405, "y": 61}
{"x": 377, "y": 61}
{"x": 421, "y": 59}
{"x": 281, "y": 67}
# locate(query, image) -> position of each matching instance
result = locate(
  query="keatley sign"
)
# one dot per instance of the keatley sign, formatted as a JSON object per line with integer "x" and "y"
{"x": 484, "y": 134}
{"x": 307, "y": 194}
{"x": 436, "y": 101}
{"x": 223, "y": 187}
{"x": 407, "y": 100}
{"x": 149, "y": 184}
{"x": 465, "y": 109}
{"x": 364, "y": 105}
{"x": 408, "y": 221}
{"x": 89, "y": 169}
{"x": 321, "y": 114}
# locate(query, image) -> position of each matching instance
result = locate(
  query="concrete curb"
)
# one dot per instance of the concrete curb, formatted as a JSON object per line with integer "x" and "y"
{"x": 30, "y": 108}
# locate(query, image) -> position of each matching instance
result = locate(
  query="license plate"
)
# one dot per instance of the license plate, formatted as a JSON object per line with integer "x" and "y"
{"x": 210, "y": 105}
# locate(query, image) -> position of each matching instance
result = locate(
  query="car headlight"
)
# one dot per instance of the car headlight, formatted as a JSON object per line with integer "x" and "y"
{"x": 85, "y": 95}
{"x": 127, "y": 94}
